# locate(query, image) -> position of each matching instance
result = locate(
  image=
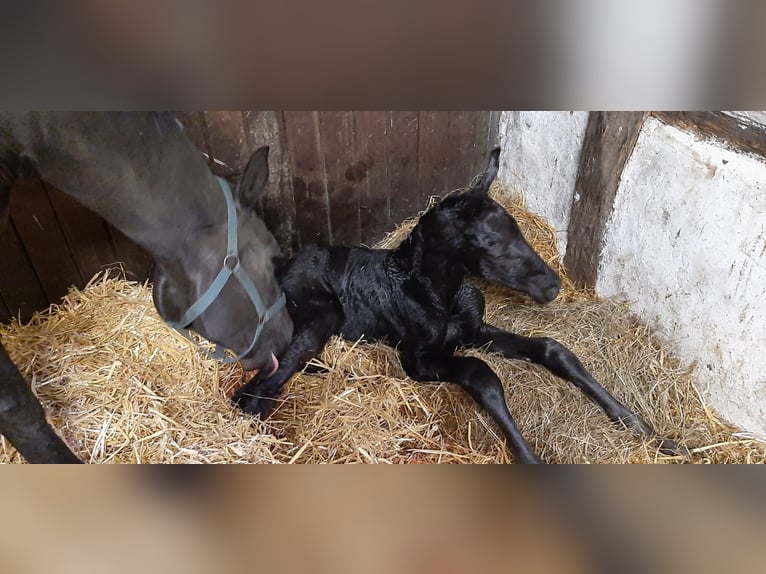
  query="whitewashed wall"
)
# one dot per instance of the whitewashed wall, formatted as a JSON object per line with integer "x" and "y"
{"x": 686, "y": 243}
{"x": 540, "y": 157}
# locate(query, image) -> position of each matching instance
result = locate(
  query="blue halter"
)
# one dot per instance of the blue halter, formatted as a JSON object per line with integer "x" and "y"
{"x": 231, "y": 266}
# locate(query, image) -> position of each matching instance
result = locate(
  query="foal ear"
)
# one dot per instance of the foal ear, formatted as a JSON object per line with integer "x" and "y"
{"x": 252, "y": 183}
{"x": 491, "y": 172}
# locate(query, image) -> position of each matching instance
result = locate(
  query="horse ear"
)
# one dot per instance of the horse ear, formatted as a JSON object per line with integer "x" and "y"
{"x": 491, "y": 172}
{"x": 252, "y": 183}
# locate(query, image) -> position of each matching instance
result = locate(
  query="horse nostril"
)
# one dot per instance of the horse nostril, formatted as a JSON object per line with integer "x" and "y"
{"x": 552, "y": 292}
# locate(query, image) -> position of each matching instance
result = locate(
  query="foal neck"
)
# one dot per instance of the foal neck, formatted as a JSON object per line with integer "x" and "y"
{"x": 442, "y": 269}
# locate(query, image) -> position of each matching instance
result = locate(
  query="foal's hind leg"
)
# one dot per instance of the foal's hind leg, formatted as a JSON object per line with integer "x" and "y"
{"x": 22, "y": 419}
{"x": 564, "y": 363}
{"x": 479, "y": 381}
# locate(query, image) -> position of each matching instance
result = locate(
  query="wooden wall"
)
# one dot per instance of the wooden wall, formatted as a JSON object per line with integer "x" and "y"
{"x": 336, "y": 178}
{"x": 345, "y": 178}
{"x": 53, "y": 242}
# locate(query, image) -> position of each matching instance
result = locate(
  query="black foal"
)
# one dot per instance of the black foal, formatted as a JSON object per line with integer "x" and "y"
{"x": 417, "y": 297}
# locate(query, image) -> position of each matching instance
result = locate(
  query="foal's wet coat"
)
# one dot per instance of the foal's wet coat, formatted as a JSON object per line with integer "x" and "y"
{"x": 417, "y": 298}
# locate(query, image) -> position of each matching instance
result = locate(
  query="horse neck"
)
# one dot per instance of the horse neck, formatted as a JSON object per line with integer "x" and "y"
{"x": 150, "y": 183}
{"x": 161, "y": 212}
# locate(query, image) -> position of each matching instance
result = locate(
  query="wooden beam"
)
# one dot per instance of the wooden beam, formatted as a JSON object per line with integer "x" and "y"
{"x": 609, "y": 141}
{"x": 732, "y": 132}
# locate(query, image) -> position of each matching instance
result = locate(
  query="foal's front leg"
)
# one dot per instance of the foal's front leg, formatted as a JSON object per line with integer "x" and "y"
{"x": 479, "y": 381}
{"x": 564, "y": 363}
{"x": 311, "y": 331}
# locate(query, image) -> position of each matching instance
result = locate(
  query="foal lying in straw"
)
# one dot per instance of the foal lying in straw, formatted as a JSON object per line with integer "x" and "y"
{"x": 417, "y": 298}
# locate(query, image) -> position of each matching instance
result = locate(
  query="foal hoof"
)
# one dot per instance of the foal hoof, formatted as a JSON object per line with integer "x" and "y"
{"x": 672, "y": 448}
{"x": 667, "y": 447}
{"x": 253, "y": 401}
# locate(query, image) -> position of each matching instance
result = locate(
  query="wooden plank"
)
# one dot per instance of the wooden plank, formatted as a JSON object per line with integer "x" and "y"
{"x": 609, "y": 141}
{"x": 433, "y": 132}
{"x": 462, "y": 154}
{"x": 732, "y": 132}
{"x": 277, "y": 207}
{"x": 312, "y": 208}
{"x": 86, "y": 233}
{"x": 342, "y": 181}
{"x": 403, "y": 165}
{"x": 44, "y": 241}
{"x": 20, "y": 287}
{"x": 372, "y": 172}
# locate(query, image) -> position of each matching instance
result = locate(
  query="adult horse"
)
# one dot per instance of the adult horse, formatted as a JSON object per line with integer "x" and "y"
{"x": 141, "y": 173}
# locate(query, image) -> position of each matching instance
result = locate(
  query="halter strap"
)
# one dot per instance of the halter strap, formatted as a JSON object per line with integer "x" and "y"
{"x": 231, "y": 266}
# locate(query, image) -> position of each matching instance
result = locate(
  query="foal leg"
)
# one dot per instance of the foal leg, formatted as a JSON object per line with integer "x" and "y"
{"x": 22, "y": 419}
{"x": 310, "y": 334}
{"x": 480, "y": 382}
{"x": 564, "y": 363}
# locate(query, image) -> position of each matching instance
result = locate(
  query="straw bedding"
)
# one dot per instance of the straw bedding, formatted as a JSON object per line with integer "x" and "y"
{"x": 121, "y": 386}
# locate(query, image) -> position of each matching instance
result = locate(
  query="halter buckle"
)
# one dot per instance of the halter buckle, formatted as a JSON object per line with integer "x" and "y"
{"x": 231, "y": 262}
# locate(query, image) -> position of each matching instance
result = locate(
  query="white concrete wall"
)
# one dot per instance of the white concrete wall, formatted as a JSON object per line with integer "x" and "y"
{"x": 540, "y": 158}
{"x": 756, "y": 118}
{"x": 687, "y": 243}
